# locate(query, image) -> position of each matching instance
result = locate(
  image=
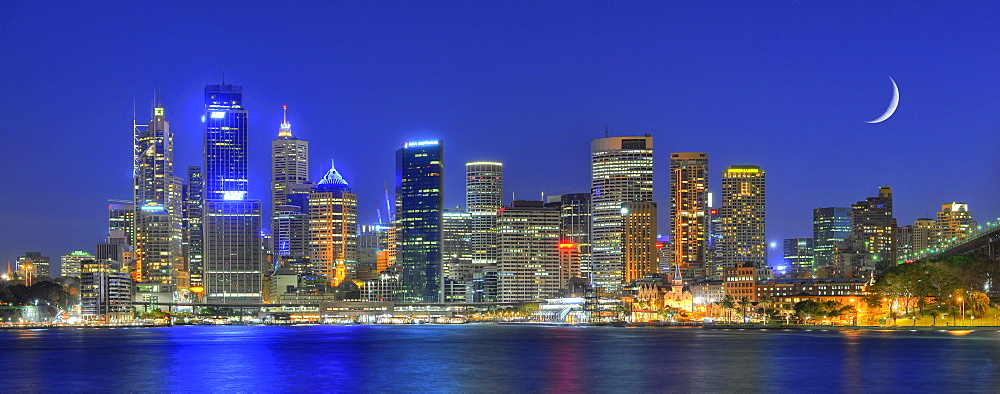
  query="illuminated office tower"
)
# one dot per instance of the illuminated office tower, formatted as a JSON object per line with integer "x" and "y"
{"x": 916, "y": 239}
{"x": 193, "y": 246}
{"x": 39, "y": 264}
{"x": 233, "y": 257}
{"x": 333, "y": 229}
{"x": 954, "y": 222}
{"x": 121, "y": 216}
{"x": 742, "y": 212}
{"x": 456, "y": 252}
{"x": 289, "y": 163}
{"x": 483, "y": 198}
{"x": 71, "y": 264}
{"x": 574, "y": 234}
{"x": 528, "y": 244}
{"x": 419, "y": 185}
{"x": 830, "y": 225}
{"x": 799, "y": 257}
{"x": 689, "y": 214}
{"x": 373, "y": 250}
{"x": 639, "y": 252}
{"x": 290, "y": 229}
{"x": 158, "y": 236}
{"x": 621, "y": 171}
{"x": 873, "y": 225}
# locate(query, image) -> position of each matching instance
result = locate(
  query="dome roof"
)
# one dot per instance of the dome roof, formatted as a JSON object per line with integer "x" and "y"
{"x": 333, "y": 177}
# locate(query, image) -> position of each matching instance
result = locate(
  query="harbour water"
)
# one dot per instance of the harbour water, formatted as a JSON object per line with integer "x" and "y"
{"x": 491, "y": 358}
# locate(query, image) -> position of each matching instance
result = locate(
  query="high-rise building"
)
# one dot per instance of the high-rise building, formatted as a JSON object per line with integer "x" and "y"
{"x": 528, "y": 240}
{"x": 916, "y": 239}
{"x": 333, "y": 228}
{"x": 621, "y": 171}
{"x": 158, "y": 235}
{"x": 799, "y": 257}
{"x": 574, "y": 234}
{"x": 71, "y": 264}
{"x": 419, "y": 185}
{"x": 290, "y": 230}
{"x": 483, "y": 198}
{"x": 121, "y": 216}
{"x": 289, "y": 164}
{"x": 105, "y": 291}
{"x": 689, "y": 214}
{"x": 830, "y": 225}
{"x": 954, "y": 222}
{"x": 39, "y": 264}
{"x": 193, "y": 246}
{"x": 873, "y": 225}
{"x": 233, "y": 259}
{"x": 639, "y": 252}
{"x": 456, "y": 251}
{"x": 743, "y": 215}
{"x": 373, "y": 250}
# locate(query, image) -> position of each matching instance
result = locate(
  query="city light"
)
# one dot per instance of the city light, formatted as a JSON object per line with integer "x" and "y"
{"x": 218, "y": 114}
{"x": 233, "y": 195}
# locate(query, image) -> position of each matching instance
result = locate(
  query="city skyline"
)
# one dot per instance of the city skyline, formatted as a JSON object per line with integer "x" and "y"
{"x": 794, "y": 148}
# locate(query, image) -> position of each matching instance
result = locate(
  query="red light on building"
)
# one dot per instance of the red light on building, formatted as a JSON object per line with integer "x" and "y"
{"x": 714, "y": 212}
{"x": 567, "y": 246}
{"x": 659, "y": 245}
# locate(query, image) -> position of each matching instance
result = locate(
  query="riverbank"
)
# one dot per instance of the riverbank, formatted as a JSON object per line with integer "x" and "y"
{"x": 846, "y": 328}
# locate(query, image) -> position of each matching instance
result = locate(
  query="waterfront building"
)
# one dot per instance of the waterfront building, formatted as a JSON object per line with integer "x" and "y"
{"x": 528, "y": 241}
{"x": 799, "y": 257}
{"x": 157, "y": 195}
{"x": 419, "y": 186}
{"x": 830, "y": 225}
{"x": 639, "y": 252}
{"x": 233, "y": 259}
{"x": 621, "y": 171}
{"x": 193, "y": 233}
{"x": 574, "y": 233}
{"x": 954, "y": 223}
{"x": 105, "y": 291}
{"x": 333, "y": 228}
{"x": 39, "y": 264}
{"x": 456, "y": 249}
{"x": 689, "y": 214}
{"x": 71, "y": 264}
{"x": 916, "y": 239}
{"x": 743, "y": 279}
{"x": 743, "y": 217}
{"x": 483, "y": 198}
{"x": 874, "y": 226}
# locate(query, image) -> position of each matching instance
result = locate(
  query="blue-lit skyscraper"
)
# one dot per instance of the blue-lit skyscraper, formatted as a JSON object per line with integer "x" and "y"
{"x": 830, "y": 225}
{"x": 233, "y": 258}
{"x": 419, "y": 203}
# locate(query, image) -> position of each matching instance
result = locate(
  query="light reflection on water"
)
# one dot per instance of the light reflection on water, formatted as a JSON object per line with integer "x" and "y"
{"x": 494, "y": 358}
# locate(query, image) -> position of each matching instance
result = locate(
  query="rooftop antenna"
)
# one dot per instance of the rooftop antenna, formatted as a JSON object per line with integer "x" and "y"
{"x": 605, "y": 131}
{"x": 223, "y": 73}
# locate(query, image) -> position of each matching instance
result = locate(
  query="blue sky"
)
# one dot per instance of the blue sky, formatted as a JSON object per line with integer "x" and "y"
{"x": 786, "y": 85}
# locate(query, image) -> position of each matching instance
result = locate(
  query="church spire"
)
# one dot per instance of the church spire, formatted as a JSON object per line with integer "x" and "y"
{"x": 285, "y": 131}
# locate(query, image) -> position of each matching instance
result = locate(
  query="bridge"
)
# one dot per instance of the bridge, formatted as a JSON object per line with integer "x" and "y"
{"x": 985, "y": 241}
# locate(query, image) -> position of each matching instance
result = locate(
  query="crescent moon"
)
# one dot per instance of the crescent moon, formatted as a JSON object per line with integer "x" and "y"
{"x": 892, "y": 105}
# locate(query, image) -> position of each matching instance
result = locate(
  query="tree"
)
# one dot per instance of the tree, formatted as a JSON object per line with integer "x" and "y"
{"x": 764, "y": 301}
{"x": 933, "y": 313}
{"x": 978, "y": 304}
{"x": 727, "y": 303}
{"x": 744, "y": 305}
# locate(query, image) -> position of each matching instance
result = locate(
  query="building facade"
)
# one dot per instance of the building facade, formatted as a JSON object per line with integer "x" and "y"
{"x": 799, "y": 257}
{"x": 689, "y": 214}
{"x": 621, "y": 171}
{"x": 873, "y": 225}
{"x": 743, "y": 217}
{"x": 528, "y": 239}
{"x": 333, "y": 229}
{"x": 419, "y": 212}
{"x": 830, "y": 225}
{"x": 954, "y": 222}
{"x": 483, "y": 199}
{"x": 640, "y": 255}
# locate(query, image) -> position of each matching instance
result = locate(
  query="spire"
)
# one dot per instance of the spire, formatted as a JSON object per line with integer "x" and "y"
{"x": 285, "y": 131}
{"x": 332, "y": 177}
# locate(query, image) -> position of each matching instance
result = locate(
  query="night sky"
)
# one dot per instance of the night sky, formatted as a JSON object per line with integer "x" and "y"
{"x": 781, "y": 84}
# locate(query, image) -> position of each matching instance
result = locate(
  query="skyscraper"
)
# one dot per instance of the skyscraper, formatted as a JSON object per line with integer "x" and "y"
{"x": 333, "y": 228}
{"x": 157, "y": 195}
{"x": 39, "y": 264}
{"x": 873, "y": 225}
{"x": 193, "y": 231}
{"x": 799, "y": 257}
{"x": 289, "y": 163}
{"x": 419, "y": 185}
{"x": 954, "y": 222}
{"x": 483, "y": 198}
{"x": 574, "y": 233}
{"x": 743, "y": 214}
{"x": 915, "y": 240}
{"x": 71, "y": 264}
{"x": 621, "y": 171}
{"x": 639, "y": 253}
{"x": 233, "y": 257}
{"x": 456, "y": 251}
{"x": 689, "y": 214}
{"x": 830, "y": 225}
{"x": 528, "y": 242}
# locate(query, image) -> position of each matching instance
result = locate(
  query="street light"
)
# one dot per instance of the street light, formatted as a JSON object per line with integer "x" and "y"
{"x": 855, "y": 312}
{"x": 962, "y": 300}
